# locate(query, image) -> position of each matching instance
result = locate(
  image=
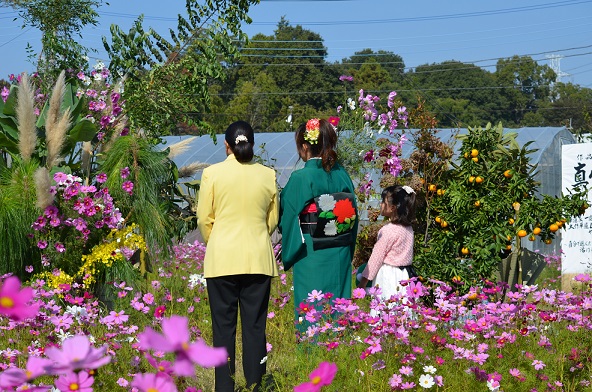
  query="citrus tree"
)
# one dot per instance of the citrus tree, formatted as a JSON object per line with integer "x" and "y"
{"x": 481, "y": 208}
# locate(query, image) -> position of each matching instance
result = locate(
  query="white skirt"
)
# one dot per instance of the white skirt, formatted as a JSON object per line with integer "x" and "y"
{"x": 388, "y": 279}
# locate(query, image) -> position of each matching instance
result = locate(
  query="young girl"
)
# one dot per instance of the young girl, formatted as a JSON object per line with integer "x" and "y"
{"x": 392, "y": 255}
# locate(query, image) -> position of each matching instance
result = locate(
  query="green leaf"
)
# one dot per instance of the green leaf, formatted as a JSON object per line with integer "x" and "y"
{"x": 9, "y": 108}
{"x": 84, "y": 131}
{"x": 8, "y": 125}
{"x": 8, "y": 144}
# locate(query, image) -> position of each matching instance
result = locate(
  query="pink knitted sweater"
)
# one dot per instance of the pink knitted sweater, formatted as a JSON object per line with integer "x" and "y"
{"x": 393, "y": 247}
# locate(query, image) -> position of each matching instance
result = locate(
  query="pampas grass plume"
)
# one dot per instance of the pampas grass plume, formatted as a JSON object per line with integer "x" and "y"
{"x": 180, "y": 147}
{"x": 189, "y": 170}
{"x": 25, "y": 114}
{"x": 42, "y": 186}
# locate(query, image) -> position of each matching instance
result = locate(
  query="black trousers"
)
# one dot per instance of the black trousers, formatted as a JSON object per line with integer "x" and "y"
{"x": 226, "y": 294}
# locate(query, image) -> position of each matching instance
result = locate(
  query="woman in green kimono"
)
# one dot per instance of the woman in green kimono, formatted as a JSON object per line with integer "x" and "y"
{"x": 318, "y": 218}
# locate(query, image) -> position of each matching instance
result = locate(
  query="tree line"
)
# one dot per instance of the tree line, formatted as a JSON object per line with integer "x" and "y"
{"x": 286, "y": 73}
{"x": 209, "y": 74}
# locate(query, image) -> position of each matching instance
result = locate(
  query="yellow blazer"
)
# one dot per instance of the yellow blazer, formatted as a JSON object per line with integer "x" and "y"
{"x": 237, "y": 210}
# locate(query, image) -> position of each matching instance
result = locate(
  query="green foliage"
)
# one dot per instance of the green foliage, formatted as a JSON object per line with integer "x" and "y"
{"x": 480, "y": 206}
{"x": 152, "y": 175}
{"x": 59, "y": 22}
{"x": 167, "y": 79}
{"x": 531, "y": 82}
{"x": 17, "y": 213}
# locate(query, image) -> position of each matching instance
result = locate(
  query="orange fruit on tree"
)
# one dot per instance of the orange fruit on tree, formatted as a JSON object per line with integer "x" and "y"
{"x": 536, "y": 231}
{"x": 474, "y": 152}
{"x": 443, "y": 223}
{"x": 511, "y": 221}
{"x": 553, "y": 227}
{"x": 548, "y": 241}
{"x": 438, "y": 219}
{"x": 475, "y": 159}
{"x": 432, "y": 188}
{"x": 522, "y": 233}
{"x": 531, "y": 237}
{"x": 440, "y": 192}
{"x": 464, "y": 251}
{"x": 471, "y": 178}
{"x": 478, "y": 203}
{"x": 509, "y": 237}
{"x": 466, "y": 155}
{"x": 478, "y": 179}
{"x": 559, "y": 223}
{"x": 509, "y": 247}
{"x": 508, "y": 173}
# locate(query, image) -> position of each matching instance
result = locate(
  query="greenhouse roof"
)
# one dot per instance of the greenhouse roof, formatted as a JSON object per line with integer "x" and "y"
{"x": 279, "y": 149}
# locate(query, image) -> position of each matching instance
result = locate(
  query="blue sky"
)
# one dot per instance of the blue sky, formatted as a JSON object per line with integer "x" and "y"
{"x": 421, "y": 32}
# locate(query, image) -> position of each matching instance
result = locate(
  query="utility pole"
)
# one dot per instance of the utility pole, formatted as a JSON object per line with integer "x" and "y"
{"x": 555, "y": 64}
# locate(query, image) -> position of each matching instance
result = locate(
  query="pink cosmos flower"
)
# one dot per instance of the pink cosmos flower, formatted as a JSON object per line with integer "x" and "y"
{"x": 175, "y": 338}
{"x": 582, "y": 278}
{"x": 149, "y": 382}
{"x": 148, "y": 298}
{"x": 14, "y": 377}
{"x": 115, "y": 318}
{"x": 79, "y": 382}
{"x": 5, "y": 93}
{"x": 320, "y": 377}
{"x": 76, "y": 353}
{"x": 128, "y": 186}
{"x": 101, "y": 178}
{"x": 538, "y": 365}
{"x": 14, "y": 301}
{"x": 359, "y": 293}
{"x": 125, "y": 172}
{"x": 415, "y": 290}
{"x": 162, "y": 367}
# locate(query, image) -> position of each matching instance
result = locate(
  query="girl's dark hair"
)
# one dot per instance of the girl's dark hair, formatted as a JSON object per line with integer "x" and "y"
{"x": 325, "y": 145}
{"x": 404, "y": 203}
{"x": 243, "y": 150}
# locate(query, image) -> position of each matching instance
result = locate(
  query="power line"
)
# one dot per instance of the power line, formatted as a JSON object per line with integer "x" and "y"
{"x": 19, "y": 35}
{"x": 390, "y": 20}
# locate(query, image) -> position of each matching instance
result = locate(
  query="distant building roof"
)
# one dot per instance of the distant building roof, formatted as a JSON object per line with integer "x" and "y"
{"x": 279, "y": 149}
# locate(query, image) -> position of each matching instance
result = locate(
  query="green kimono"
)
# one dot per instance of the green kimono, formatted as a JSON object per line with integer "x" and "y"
{"x": 329, "y": 269}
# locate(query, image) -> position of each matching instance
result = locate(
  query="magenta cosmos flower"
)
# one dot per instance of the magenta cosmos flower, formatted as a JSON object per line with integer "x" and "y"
{"x": 320, "y": 377}
{"x": 150, "y": 382}
{"x": 76, "y": 353}
{"x": 79, "y": 382}
{"x": 14, "y": 301}
{"x": 175, "y": 338}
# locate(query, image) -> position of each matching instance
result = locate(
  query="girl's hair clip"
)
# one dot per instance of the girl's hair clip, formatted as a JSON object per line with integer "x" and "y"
{"x": 408, "y": 189}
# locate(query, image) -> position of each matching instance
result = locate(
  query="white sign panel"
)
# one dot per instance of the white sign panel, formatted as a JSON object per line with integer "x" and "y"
{"x": 576, "y": 239}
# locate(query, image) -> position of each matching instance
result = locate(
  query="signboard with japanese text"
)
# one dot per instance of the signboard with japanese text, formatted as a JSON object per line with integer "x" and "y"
{"x": 576, "y": 239}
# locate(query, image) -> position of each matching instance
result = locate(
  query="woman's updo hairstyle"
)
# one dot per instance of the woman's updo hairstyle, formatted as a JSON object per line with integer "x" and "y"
{"x": 321, "y": 144}
{"x": 240, "y": 138}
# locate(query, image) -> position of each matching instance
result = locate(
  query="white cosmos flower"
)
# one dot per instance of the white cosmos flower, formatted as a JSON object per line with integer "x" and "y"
{"x": 331, "y": 228}
{"x": 326, "y": 202}
{"x": 429, "y": 369}
{"x": 63, "y": 335}
{"x": 426, "y": 381}
{"x": 351, "y": 104}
